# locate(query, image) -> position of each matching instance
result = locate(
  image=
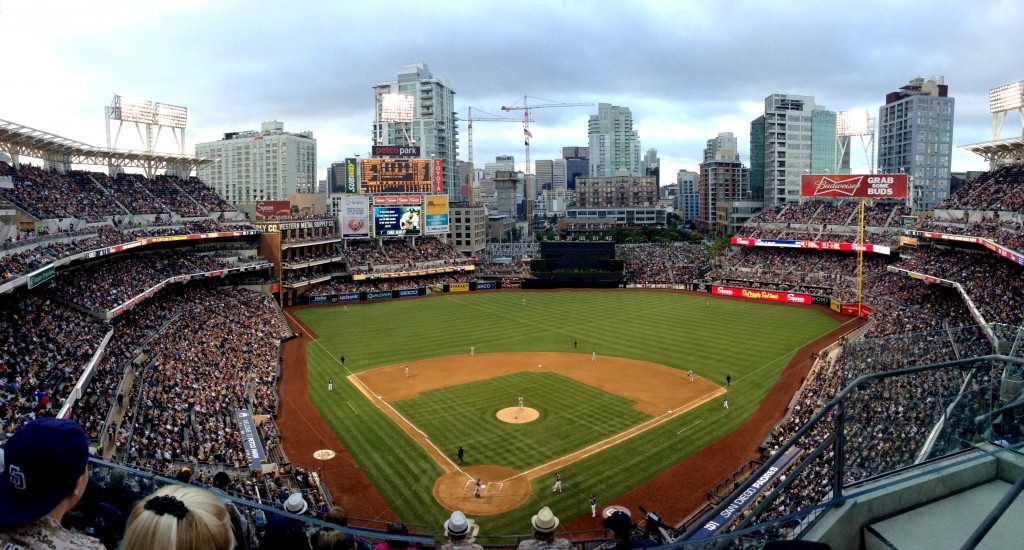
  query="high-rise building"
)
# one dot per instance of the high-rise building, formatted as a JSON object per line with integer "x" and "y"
{"x": 264, "y": 165}
{"x": 651, "y": 165}
{"x": 790, "y": 140}
{"x": 419, "y": 110}
{"x": 550, "y": 175}
{"x": 915, "y": 134}
{"x": 687, "y": 197}
{"x": 614, "y": 144}
{"x": 723, "y": 178}
{"x": 502, "y": 163}
{"x": 577, "y": 164}
{"x": 621, "y": 190}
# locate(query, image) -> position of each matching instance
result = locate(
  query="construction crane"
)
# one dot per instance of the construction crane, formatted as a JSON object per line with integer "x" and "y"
{"x": 525, "y": 108}
{"x": 469, "y": 133}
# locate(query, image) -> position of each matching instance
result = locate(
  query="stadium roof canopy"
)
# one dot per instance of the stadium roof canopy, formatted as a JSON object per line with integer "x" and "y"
{"x": 998, "y": 152}
{"x": 18, "y": 140}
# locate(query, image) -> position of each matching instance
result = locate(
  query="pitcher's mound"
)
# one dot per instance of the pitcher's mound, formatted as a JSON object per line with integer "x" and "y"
{"x": 515, "y": 415}
{"x": 501, "y": 489}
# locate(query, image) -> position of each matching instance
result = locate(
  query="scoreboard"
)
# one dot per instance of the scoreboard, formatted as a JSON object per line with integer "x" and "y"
{"x": 395, "y": 176}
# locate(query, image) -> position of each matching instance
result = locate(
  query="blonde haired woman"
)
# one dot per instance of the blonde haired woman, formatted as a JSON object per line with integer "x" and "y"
{"x": 179, "y": 517}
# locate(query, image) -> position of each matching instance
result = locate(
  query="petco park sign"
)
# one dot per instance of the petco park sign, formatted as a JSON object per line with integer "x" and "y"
{"x": 863, "y": 186}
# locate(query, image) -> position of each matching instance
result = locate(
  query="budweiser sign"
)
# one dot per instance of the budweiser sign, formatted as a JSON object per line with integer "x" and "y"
{"x": 862, "y": 186}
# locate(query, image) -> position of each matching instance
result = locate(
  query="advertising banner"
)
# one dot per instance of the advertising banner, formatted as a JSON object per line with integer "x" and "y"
{"x": 349, "y": 297}
{"x": 486, "y": 285}
{"x": 811, "y": 245}
{"x": 836, "y": 306}
{"x": 770, "y": 295}
{"x": 355, "y": 217}
{"x": 437, "y": 215}
{"x": 379, "y": 295}
{"x": 438, "y": 176}
{"x": 250, "y": 439}
{"x": 861, "y": 186}
{"x": 351, "y": 183}
{"x": 396, "y": 221}
{"x": 458, "y": 287}
{"x": 851, "y": 310}
{"x": 408, "y": 292}
{"x": 318, "y": 299}
{"x": 272, "y": 209}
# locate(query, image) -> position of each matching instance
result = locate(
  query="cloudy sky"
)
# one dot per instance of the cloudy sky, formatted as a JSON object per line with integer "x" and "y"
{"x": 686, "y": 69}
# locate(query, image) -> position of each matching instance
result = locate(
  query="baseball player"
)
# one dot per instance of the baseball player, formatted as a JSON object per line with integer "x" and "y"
{"x": 342, "y": 358}
{"x": 593, "y": 357}
{"x": 478, "y": 485}
{"x": 407, "y": 371}
{"x": 558, "y": 484}
{"x": 725, "y": 402}
{"x": 472, "y": 350}
{"x": 460, "y": 453}
{"x": 690, "y": 374}
{"x": 593, "y": 506}
{"x": 330, "y": 384}
{"x": 520, "y": 402}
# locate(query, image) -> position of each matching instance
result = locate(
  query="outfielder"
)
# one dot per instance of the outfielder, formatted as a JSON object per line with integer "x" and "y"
{"x": 330, "y": 384}
{"x": 593, "y": 506}
{"x": 558, "y": 484}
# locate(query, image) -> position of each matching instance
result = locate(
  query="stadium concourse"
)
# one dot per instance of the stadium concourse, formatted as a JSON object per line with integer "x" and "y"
{"x": 154, "y": 347}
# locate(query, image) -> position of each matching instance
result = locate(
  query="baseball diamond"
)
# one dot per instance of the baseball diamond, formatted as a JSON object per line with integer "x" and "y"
{"x": 646, "y": 342}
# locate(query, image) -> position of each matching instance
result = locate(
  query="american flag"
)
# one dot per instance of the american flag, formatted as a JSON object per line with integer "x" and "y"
{"x": 526, "y": 132}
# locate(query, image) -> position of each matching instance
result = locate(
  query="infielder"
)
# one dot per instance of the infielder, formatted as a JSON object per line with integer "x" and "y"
{"x": 593, "y": 357}
{"x": 558, "y": 484}
{"x": 690, "y": 374}
{"x": 407, "y": 371}
{"x": 472, "y": 350}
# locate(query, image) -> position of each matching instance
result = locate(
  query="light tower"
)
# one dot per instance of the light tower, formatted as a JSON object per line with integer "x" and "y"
{"x": 146, "y": 115}
{"x": 856, "y": 122}
{"x": 394, "y": 109}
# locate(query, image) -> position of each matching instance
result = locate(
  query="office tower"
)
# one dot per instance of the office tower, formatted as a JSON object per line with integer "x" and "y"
{"x": 621, "y": 190}
{"x": 651, "y": 165}
{"x": 614, "y": 144}
{"x": 264, "y": 165}
{"x": 687, "y": 197}
{"x": 502, "y": 163}
{"x": 788, "y": 141}
{"x": 915, "y": 134}
{"x": 550, "y": 175}
{"x": 577, "y": 164}
{"x": 723, "y": 178}
{"x": 419, "y": 110}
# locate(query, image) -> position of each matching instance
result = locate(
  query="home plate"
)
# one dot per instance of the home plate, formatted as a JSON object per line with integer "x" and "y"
{"x": 323, "y": 454}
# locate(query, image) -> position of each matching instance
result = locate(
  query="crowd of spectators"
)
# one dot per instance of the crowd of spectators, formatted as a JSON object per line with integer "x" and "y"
{"x": 1008, "y": 233}
{"x": 374, "y": 285}
{"x": 664, "y": 263}
{"x": 399, "y": 254}
{"x": 1001, "y": 190}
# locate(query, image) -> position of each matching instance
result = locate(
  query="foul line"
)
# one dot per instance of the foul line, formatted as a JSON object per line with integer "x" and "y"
{"x": 688, "y": 427}
{"x": 351, "y": 407}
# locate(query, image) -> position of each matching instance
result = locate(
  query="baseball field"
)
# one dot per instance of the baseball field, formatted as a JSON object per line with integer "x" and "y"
{"x": 603, "y": 375}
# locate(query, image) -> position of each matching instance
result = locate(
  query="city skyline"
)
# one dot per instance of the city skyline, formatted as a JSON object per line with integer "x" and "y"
{"x": 689, "y": 72}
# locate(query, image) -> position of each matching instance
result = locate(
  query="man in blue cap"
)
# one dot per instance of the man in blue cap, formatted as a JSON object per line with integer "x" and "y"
{"x": 44, "y": 476}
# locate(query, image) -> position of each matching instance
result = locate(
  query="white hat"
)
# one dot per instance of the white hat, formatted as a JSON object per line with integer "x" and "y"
{"x": 457, "y": 525}
{"x": 544, "y": 521}
{"x": 295, "y": 504}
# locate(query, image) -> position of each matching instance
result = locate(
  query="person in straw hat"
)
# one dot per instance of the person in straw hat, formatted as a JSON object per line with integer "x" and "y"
{"x": 461, "y": 533}
{"x": 544, "y": 525}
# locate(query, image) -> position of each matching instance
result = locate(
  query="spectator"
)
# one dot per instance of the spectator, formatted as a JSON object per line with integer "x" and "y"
{"x": 461, "y": 532}
{"x": 176, "y": 517}
{"x": 544, "y": 525}
{"x": 286, "y": 532}
{"x": 44, "y": 476}
{"x": 394, "y": 528}
{"x": 239, "y": 526}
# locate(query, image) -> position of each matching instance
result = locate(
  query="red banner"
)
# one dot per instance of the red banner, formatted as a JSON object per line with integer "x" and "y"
{"x": 861, "y": 186}
{"x": 438, "y": 176}
{"x": 851, "y": 310}
{"x": 762, "y": 294}
{"x": 269, "y": 209}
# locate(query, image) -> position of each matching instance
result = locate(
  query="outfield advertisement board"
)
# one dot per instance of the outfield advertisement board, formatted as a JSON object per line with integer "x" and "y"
{"x": 355, "y": 217}
{"x": 379, "y": 295}
{"x": 861, "y": 186}
{"x": 408, "y": 292}
{"x": 458, "y": 287}
{"x": 486, "y": 285}
{"x": 436, "y": 215}
{"x": 811, "y": 245}
{"x": 770, "y": 295}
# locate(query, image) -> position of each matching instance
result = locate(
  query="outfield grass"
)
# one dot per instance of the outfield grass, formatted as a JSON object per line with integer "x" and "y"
{"x": 572, "y": 416}
{"x": 750, "y": 341}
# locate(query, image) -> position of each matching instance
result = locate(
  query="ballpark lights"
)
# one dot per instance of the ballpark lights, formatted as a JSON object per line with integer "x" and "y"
{"x": 396, "y": 108}
{"x": 170, "y": 116}
{"x": 130, "y": 109}
{"x": 853, "y": 123}
{"x": 1006, "y": 98}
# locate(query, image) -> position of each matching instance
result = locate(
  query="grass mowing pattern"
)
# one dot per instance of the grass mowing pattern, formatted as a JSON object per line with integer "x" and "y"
{"x": 751, "y": 341}
{"x": 572, "y": 416}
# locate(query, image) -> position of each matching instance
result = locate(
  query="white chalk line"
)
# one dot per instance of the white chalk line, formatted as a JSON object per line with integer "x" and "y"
{"x": 688, "y": 427}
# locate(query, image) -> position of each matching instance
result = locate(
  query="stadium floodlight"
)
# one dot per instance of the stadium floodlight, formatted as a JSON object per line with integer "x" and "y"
{"x": 396, "y": 108}
{"x": 170, "y": 116}
{"x": 1005, "y": 98}
{"x": 853, "y": 123}
{"x": 130, "y": 109}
